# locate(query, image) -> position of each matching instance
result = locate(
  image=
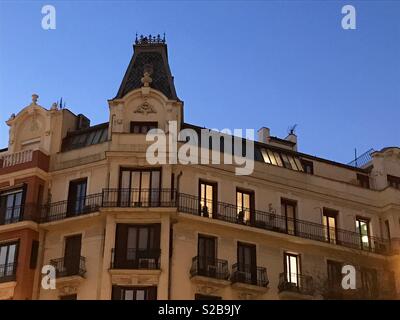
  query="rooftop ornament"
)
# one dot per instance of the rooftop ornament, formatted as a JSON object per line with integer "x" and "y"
{"x": 148, "y": 40}
{"x": 35, "y": 98}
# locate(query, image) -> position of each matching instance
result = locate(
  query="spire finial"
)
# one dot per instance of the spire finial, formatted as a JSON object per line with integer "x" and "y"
{"x": 35, "y": 98}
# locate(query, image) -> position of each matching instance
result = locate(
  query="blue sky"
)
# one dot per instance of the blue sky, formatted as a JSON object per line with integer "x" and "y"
{"x": 236, "y": 64}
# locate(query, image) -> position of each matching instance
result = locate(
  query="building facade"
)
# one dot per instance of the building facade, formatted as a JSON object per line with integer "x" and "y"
{"x": 85, "y": 200}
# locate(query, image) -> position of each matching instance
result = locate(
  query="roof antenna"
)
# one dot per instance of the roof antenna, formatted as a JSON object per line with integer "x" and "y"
{"x": 292, "y": 129}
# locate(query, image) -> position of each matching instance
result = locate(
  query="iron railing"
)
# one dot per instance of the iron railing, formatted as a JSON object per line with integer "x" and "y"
{"x": 69, "y": 266}
{"x": 8, "y": 272}
{"x": 209, "y": 267}
{"x": 294, "y": 282}
{"x": 147, "y": 198}
{"x": 24, "y": 212}
{"x": 136, "y": 259}
{"x": 138, "y": 198}
{"x": 245, "y": 273}
{"x": 71, "y": 208}
{"x": 277, "y": 223}
{"x": 362, "y": 160}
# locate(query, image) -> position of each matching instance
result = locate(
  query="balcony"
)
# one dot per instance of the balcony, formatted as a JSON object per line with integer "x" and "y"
{"x": 14, "y": 214}
{"x": 69, "y": 266}
{"x": 277, "y": 223}
{"x": 8, "y": 272}
{"x": 137, "y": 259}
{"x": 25, "y": 159}
{"x": 138, "y": 198}
{"x": 292, "y": 286}
{"x": 249, "y": 280}
{"x": 208, "y": 267}
{"x": 209, "y": 274}
{"x": 67, "y": 208}
{"x": 168, "y": 198}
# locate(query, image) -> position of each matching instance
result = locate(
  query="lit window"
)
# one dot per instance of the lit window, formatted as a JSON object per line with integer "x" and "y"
{"x": 362, "y": 227}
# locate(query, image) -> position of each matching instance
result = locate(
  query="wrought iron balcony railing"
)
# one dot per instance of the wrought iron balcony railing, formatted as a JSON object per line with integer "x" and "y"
{"x": 209, "y": 267}
{"x": 294, "y": 282}
{"x": 138, "y": 198}
{"x": 277, "y": 223}
{"x": 69, "y": 266}
{"x": 24, "y": 212}
{"x": 71, "y": 208}
{"x": 136, "y": 259}
{"x": 245, "y": 273}
{"x": 148, "y": 198}
{"x": 8, "y": 272}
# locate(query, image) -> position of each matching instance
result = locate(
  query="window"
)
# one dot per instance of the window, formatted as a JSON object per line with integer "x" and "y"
{"x": 281, "y": 159}
{"x": 11, "y": 206}
{"x": 8, "y": 261}
{"x": 308, "y": 166}
{"x": 393, "y": 181}
{"x": 134, "y": 293}
{"x": 143, "y": 127}
{"x": 363, "y": 180}
{"x": 208, "y": 198}
{"x": 87, "y": 137}
{"x": 369, "y": 281}
{"x": 329, "y": 221}
{"x": 72, "y": 255}
{"x": 292, "y": 268}
{"x": 246, "y": 263}
{"x": 362, "y": 228}
{"x": 207, "y": 255}
{"x": 76, "y": 197}
{"x": 137, "y": 246}
{"x": 334, "y": 276}
{"x": 245, "y": 206}
{"x": 288, "y": 209}
{"x": 140, "y": 187}
{"x": 387, "y": 229}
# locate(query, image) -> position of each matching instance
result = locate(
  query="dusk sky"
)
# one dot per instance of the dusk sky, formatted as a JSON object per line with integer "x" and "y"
{"x": 236, "y": 64}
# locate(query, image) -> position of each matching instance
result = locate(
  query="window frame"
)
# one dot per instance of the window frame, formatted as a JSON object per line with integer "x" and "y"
{"x": 214, "y": 204}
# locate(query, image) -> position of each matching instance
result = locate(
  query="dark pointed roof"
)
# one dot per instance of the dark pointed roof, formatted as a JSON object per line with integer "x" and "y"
{"x": 149, "y": 52}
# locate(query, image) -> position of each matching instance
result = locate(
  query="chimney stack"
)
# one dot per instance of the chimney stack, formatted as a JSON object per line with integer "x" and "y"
{"x": 263, "y": 135}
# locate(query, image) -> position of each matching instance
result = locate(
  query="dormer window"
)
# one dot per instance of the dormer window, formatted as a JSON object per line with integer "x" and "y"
{"x": 363, "y": 180}
{"x": 143, "y": 127}
{"x": 393, "y": 182}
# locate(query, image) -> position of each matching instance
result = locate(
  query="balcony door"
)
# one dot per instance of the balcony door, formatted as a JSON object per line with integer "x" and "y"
{"x": 137, "y": 246}
{"x": 72, "y": 254}
{"x": 362, "y": 228}
{"x": 292, "y": 269}
{"x": 288, "y": 209}
{"x": 247, "y": 262}
{"x": 207, "y": 255}
{"x": 334, "y": 276}
{"x": 140, "y": 187}
{"x": 76, "y": 197}
{"x": 329, "y": 219}
{"x": 208, "y": 199}
{"x": 245, "y": 206}
{"x": 11, "y": 206}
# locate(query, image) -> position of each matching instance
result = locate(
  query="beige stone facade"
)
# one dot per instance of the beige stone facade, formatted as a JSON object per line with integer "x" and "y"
{"x": 85, "y": 199}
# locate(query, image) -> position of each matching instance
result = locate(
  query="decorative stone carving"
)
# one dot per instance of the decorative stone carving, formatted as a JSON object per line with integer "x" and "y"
{"x": 145, "y": 109}
{"x": 206, "y": 290}
{"x": 146, "y": 80}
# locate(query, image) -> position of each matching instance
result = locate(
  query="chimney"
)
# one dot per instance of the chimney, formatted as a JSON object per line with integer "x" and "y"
{"x": 292, "y": 138}
{"x": 263, "y": 135}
